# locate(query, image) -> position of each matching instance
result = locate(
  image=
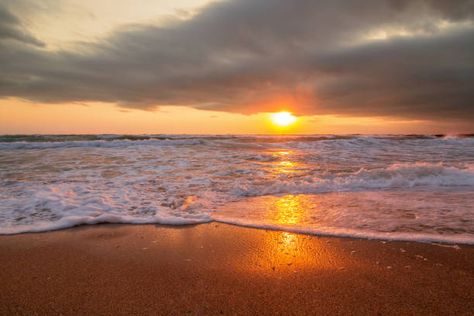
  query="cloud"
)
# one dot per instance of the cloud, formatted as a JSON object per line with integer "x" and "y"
{"x": 11, "y": 29}
{"x": 424, "y": 77}
{"x": 249, "y": 56}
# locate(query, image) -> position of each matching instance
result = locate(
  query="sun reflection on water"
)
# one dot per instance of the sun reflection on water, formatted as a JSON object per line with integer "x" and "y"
{"x": 287, "y": 210}
{"x": 285, "y": 164}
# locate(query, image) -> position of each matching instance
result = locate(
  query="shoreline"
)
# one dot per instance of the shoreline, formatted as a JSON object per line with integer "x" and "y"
{"x": 217, "y": 268}
{"x": 431, "y": 239}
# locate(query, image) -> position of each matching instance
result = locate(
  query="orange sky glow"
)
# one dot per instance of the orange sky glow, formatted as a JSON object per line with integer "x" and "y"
{"x": 24, "y": 117}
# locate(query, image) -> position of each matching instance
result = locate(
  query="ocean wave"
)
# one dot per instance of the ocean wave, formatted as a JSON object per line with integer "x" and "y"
{"x": 184, "y": 179}
{"x": 100, "y": 143}
{"x": 396, "y": 176}
{"x": 235, "y": 141}
{"x": 414, "y": 174}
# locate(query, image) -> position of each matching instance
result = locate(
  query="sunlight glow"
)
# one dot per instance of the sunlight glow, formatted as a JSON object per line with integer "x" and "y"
{"x": 289, "y": 210}
{"x": 24, "y": 117}
{"x": 283, "y": 118}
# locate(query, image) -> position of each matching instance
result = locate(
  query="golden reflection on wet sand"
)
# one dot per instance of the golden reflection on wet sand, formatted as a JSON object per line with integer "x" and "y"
{"x": 285, "y": 251}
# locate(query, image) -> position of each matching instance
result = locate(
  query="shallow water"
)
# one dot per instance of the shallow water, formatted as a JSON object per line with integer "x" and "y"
{"x": 391, "y": 187}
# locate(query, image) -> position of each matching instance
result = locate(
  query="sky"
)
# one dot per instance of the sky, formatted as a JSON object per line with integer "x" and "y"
{"x": 221, "y": 67}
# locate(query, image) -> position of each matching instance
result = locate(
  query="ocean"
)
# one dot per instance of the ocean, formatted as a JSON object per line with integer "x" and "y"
{"x": 389, "y": 187}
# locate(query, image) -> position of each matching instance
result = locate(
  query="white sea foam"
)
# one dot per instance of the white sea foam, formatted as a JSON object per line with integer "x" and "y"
{"x": 466, "y": 239}
{"x": 72, "y": 221}
{"x": 55, "y": 182}
{"x": 395, "y": 176}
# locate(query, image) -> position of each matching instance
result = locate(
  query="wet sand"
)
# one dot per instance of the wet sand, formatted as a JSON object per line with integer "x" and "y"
{"x": 214, "y": 269}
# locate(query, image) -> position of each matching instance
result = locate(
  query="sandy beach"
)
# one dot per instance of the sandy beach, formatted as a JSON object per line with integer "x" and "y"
{"x": 214, "y": 268}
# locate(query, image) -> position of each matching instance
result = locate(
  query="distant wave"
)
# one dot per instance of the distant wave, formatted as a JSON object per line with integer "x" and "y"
{"x": 112, "y": 143}
{"x": 112, "y": 140}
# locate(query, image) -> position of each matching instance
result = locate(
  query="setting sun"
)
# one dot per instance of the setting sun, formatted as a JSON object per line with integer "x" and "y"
{"x": 283, "y": 118}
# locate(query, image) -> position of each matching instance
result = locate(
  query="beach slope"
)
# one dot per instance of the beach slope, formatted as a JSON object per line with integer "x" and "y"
{"x": 213, "y": 269}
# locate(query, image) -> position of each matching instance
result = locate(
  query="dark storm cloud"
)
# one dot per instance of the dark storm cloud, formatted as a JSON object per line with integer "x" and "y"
{"x": 11, "y": 29}
{"x": 419, "y": 77}
{"x": 236, "y": 55}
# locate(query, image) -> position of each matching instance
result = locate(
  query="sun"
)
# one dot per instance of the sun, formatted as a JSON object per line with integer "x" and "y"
{"x": 283, "y": 119}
